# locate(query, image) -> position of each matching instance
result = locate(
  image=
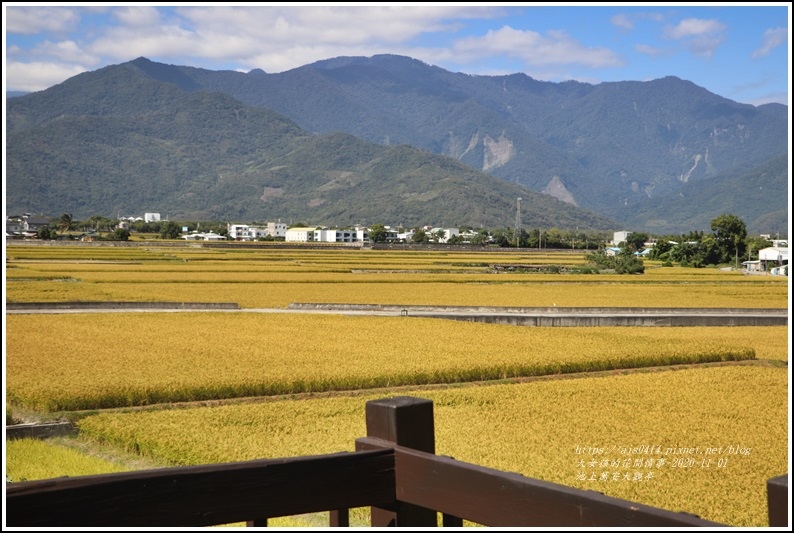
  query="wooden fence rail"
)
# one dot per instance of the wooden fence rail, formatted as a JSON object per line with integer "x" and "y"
{"x": 394, "y": 470}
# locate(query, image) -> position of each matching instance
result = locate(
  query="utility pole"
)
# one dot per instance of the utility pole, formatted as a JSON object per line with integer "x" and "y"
{"x": 518, "y": 222}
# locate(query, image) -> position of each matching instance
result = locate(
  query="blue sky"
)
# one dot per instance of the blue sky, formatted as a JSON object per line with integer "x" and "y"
{"x": 739, "y": 51}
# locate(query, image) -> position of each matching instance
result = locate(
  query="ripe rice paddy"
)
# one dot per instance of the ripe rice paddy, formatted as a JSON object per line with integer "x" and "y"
{"x": 32, "y": 459}
{"x": 537, "y": 429}
{"x": 92, "y": 361}
{"x": 71, "y": 362}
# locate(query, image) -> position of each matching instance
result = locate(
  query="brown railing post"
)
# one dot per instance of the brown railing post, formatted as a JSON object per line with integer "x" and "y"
{"x": 777, "y": 501}
{"x": 406, "y": 421}
{"x": 339, "y": 518}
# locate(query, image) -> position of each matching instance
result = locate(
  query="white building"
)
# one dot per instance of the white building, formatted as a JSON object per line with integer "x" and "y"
{"x": 151, "y": 217}
{"x": 299, "y": 235}
{"x": 14, "y": 226}
{"x": 341, "y": 235}
{"x": 276, "y": 229}
{"x": 773, "y": 257}
{"x": 325, "y": 234}
{"x": 241, "y": 232}
{"x": 448, "y": 234}
{"x": 244, "y": 232}
{"x": 204, "y": 237}
{"x": 408, "y": 236}
{"x": 620, "y": 236}
{"x": 469, "y": 236}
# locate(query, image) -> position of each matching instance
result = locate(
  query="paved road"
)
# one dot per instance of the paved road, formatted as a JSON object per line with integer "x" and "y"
{"x": 520, "y": 316}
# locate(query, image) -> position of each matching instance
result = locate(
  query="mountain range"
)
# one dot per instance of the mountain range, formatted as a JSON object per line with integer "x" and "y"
{"x": 389, "y": 139}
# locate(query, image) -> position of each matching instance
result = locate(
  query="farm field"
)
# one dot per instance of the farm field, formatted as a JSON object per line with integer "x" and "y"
{"x": 37, "y": 458}
{"x": 530, "y": 428}
{"x": 191, "y": 388}
{"x": 93, "y": 361}
{"x": 270, "y": 278}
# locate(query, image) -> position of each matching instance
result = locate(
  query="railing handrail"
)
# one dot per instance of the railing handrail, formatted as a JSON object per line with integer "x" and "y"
{"x": 394, "y": 470}
{"x": 436, "y": 482}
{"x": 249, "y": 491}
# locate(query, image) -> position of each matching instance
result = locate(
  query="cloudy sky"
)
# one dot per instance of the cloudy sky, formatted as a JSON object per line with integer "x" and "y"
{"x": 739, "y": 51}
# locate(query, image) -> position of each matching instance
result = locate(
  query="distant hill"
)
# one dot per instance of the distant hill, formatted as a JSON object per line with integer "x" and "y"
{"x": 744, "y": 191}
{"x": 625, "y": 150}
{"x": 114, "y": 141}
{"x": 610, "y": 147}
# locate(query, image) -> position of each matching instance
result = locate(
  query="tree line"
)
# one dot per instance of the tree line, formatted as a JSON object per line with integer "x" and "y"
{"x": 728, "y": 242}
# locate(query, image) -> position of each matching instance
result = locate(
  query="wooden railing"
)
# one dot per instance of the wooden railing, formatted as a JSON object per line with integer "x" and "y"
{"x": 394, "y": 470}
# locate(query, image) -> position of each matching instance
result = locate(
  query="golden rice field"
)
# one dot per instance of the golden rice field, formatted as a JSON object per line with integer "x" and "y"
{"x": 517, "y": 294}
{"x": 71, "y": 362}
{"x": 274, "y": 278}
{"x": 32, "y": 459}
{"x": 90, "y": 361}
{"x": 533, "y": 429}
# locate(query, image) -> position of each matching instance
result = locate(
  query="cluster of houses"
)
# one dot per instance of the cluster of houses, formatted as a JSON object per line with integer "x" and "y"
{"x": 322, "y": 234}
{"x": 25, "y": 225}
{"x": 773, "y": 260}
{"x": 361, "y": 234}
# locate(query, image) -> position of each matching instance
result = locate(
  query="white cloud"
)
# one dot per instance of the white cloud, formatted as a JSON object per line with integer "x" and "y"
{"x": 328, "y": 24}
{"x": 627, "y": 22}
{"x": 275, "y": 38}
{"x": 65, "y": 51}
{"x": 693, "y": 28}
{"x": 38, "y": 76}
{"x": 700, "y": 36}
{"x": 124, "y": 43}
{"x": 623, "y": 21}
{"x": 648, "y": 50}
{"x": 772, "y": 39}
{"x": 139, "y": 16}
{"x": 705, "y": 45}
{"x": 555, "y": 48}
{"x": 32, "y": 20}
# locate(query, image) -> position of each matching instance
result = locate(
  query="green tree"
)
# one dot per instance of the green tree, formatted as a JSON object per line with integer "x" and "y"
{"x": 523, "y": 238}
{"x": 121, "y": 234}
{"x": 554, "y": 238}
{"x": 729, "y": 231}
{"x": 636, "y": 241}
{"x": 378, "y": 233}
{"x": 623, "y": 263}
{"x": 661, "y": 250}
{"x": 46, "y": 233}
{"x": 170, "y": 230}
{"x": 482, "y": 237}
{"x": 754, "y": 244}
{"x": 99, "y": 222}
{"x": 503, "y": 237}
{"x": 66, "y": 223}
{"x": 420, "y": 236}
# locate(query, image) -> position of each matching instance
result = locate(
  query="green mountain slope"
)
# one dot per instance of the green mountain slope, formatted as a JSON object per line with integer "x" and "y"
{"x": 114, "y": 141}
{"x": 610, "y": 147}
{"x": 744, "y": 193}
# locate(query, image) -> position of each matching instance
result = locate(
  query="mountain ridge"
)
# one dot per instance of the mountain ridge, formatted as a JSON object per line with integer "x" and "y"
{"x": 614, "y": 148}
{"x": 151, "y": 146}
